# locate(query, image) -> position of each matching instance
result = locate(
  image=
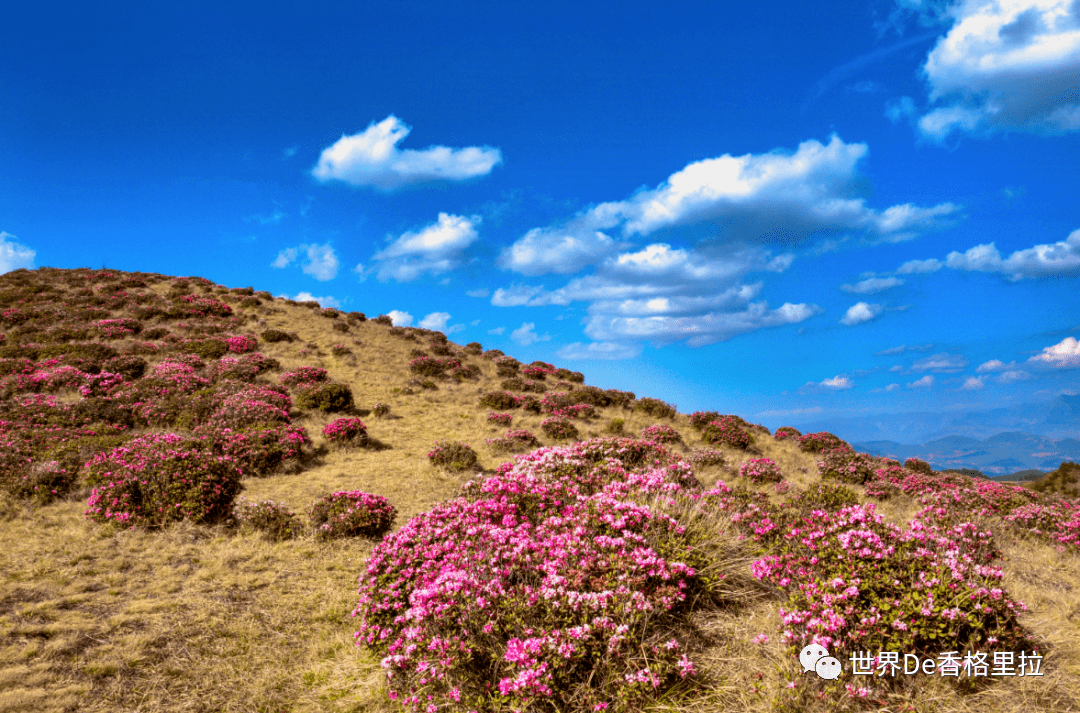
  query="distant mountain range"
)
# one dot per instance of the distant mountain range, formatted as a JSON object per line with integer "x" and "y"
{"x": 1055, "y": 419}
{"x": 998, "y": 455}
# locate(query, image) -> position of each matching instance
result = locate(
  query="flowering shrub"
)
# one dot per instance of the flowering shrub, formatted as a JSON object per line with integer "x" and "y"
{"x": 117, "y": 328}
{"x": 503, "y": 419}
{"x": 258, "y": 450}
{"x": 919, "y": 466}
{"x": 559, "y": 428}
{"x": 330, "y": 397}
{"x": 700, "y": 457}
{"x": 822, "y": 441}
{"x": 351, "y": 514}
{"x": 345, "y": 431}
{"x": 542, "y": 587}
{"x": 455, "y": 456}
{"x": 761, "y": 470}
{"x": 785, "y": 433}
{"x": 847, "y": 466}
{"x": 726, "y": 431}
{"x": 660, "y": 433}
{"x": 537, "y": 372}
{"x": 204, "y": 307}
{"x": 153, "y": 486}
{"x": 513, "y": 442}
{"x": 101, "y": 384}
{"x": 246, "y": 409}
{"x": 242, "y": 343}
{"x": 130, "y": 367}
{"x": 655, "y": 408}
{"x": 381, "y": 409}
{"x": 340, "y": 350}
{"x": 274, "y": 520}
{"x": 303, "y": 376}
{"x": 701, "y": 419}
{"x": 431, "y": 366}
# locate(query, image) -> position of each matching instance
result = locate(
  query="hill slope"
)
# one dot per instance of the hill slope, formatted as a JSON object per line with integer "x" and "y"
{"x": 671, "y": 541}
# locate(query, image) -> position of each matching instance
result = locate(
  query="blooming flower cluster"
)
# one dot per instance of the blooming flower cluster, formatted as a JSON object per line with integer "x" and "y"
{"x": 559, "y": 428}
{"x": 345, "y": 430}
{"x": 351, "y": 514}
{"x": 761, "y": 470}
{"x": 786, "y": 433}
{"x": 822, "y": 441}
{"x": 513, "y": 441}
{"x": 117, "y": 328}
{"x": 502, "y": 419}
{"x": 305, "y": 375}
{"x": 661, "y": 433}
{"x": 432, "y": 366}
{"x": 726, "y": 431}
{"x": 536, "y": 580}
{"x": 242, "y": 343}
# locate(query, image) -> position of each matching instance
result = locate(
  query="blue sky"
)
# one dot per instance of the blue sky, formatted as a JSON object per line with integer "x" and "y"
{"x": 800, "y": 213}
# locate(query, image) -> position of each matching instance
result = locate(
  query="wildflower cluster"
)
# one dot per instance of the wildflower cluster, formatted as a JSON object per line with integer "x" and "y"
{"x": 761, "y": 470}
{"x": 274, "y": 520}
{"x": 661, "y": 434}
{"x": 502, "y": 419}
{"x": 454, "y": 456}
{"x": 701, "y": 457}
{"x": 538, "y": 372}
{"x": 513, "y": 442}
{"x": 117, "y": 328}
{"x": 559, "y": 428}
{"x": 726, "y": 431}
{"x": 542, "y": 584}
{"x": 432, "y": 366}
{"x": 345, "y": 431}
{"x": 786, "y": 433}
{"x": 822, "y": 441}
{"x": 351, "y": 514}
{"x": 242, "y": 343}
{"x": 303, "y": 376}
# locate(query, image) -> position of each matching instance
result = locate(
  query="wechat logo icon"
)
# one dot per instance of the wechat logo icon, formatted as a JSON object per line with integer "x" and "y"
{"x": 815, "y": 657}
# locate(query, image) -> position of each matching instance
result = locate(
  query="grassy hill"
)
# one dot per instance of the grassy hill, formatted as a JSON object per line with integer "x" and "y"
{"x": 615, "y": 568}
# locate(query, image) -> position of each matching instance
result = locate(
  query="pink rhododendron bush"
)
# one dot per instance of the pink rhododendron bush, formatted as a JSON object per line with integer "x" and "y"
{"x": 560, "y": 581}
{"x": 351, "y": 514}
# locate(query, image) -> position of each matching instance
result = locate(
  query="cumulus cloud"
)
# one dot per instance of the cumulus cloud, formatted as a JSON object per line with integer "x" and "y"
{"x": 319, "y": 260}
{"x": 435, "y": 320}
{"x": 924, "y": 383}
{"x": 526, "y": 334}
{"x": 838, "y": 383}
{"x": 372, "y": 158}
{"x": 1063, "y": 355}
{"x": 434, "y": 249}
{"x": 13, "y": 255}
{"x": 994, "y": 365}
{"x": 565, "y": 249}
{"x": 776, "y": 197}
{"x": 1005, "y": 65}
{"x": 871, "y": 285}
{"x": 860, "y": 312}
{"x": 599, "y": 350}
{"x": 1060, "y": 259}
{"x": 941, "y": 363}
{"x": 399, "y": 318}
{"x": 919, "y": 266}
{"x": 1013, "y": 375}
{"x": 973, "y": 382}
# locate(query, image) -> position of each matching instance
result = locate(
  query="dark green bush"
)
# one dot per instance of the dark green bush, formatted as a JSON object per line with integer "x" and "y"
{"x": 275, "y": 521}
{"x": 453, "y": 456}
{"x": 572, "y": 376}
{"x": 474, "y": 348}
{"x": 276, "y": 335}
{"x": 130, "y": 367}
{"x": 340, "y": 326}
{"x": 655, "y": 408}
{"x": 498, "y": 400}
{"x": 328, "y": 397}
{"x": 206, "y": 348}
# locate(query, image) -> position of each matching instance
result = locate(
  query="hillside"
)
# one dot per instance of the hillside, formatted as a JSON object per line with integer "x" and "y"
{"x": 589, "y": 550}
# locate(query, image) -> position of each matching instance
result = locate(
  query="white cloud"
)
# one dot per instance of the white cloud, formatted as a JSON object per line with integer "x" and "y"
{"x": 870, "y": 285}
{"x": 561, "y": 250}
{"x": 497, "y": 330}
{"x": 838, "y": 383}
{"x": 14, "y": 255}
{"x": 434, "y": 249}
{"x": 1060, "y": 259}
{"x": 973, "y": 382}
{"x": 1013, "y": 375}
{"x": 360, "y": 271}
{"x": 860, "y": 312}
{"x": 994, "y": 365}
{"x": 941, "y": 363}
{"x": 1063, "y": 355}
{"x": 323, "y": 301}
{"x": 482, "y": 292}
{"x": 320, "y": 261}
{"x": 435, "y": 320}
{"x": 526, "y": 334}
{"x": 904, "y": 348}
{"x": 399, "y": 318}
{"x": 776, "y": 197}
{"x": 525, "y": 295}
{"x": 372, "y": 158}
{"x": 599, "y": 350}
{"x": 1005, "y": 65}
{"x": 919, "y": 266}
{"x": 924, "y": 383}
{"x": 892, "y": 387}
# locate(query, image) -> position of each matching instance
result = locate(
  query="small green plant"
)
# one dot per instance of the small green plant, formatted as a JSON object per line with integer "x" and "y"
{"x": 329, "y": 397}
{"x": 655, "y": 408}
{"x": 560, "y": 428}
{"x": 275, "y": 521}
{"x": 499, "y": 400}
{"x": 205, "y": 348}
{"x": 456, "y": 456}
{"x": 919, "y": 466}
{"x": 276, "y": 335}
{"x": 616, "y": 425}
{"x": 381, "y": 410}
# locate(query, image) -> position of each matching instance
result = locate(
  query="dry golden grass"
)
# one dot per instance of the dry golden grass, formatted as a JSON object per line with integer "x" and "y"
{"x": 203, "y": 619}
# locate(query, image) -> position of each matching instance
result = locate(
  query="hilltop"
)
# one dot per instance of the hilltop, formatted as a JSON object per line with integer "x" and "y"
{"x": 200, "y": 484}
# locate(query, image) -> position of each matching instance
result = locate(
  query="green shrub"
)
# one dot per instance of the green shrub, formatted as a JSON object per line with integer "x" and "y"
{"x": 498, "y": 400}
{"x": 340, "y": 326}
{"x": 384, "y": 319}
{"x": 205, "y": 348}
{"x": 616, "y": 425}
{"x": 328, "y": 397}
{"x": 575, "y": 377}
{"x": 453, "y": 456}
{"x": 474, "y": 348}
{"x": 919, "y": 466}
{"x": 276, "y": 335}
{"x": 275, "y": 521}
{"x": 560, "y": 428}
{"x": 847, "y": 466}
{"x": 351, "y": 514}
{"x": 824, "y": 496}
{"x": 821, "y": 441}
{"x": 130, "y": 367}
